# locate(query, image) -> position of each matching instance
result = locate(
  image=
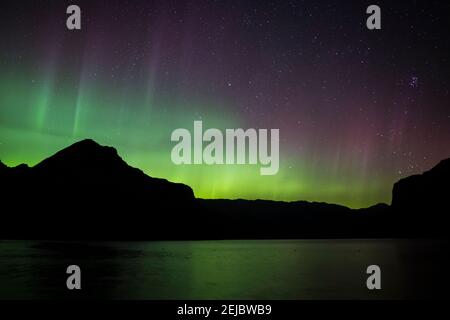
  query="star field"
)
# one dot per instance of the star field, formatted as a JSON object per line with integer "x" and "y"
{"x": 357, "y": 109}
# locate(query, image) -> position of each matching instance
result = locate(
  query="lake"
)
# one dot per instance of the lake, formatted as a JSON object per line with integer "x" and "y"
{"x": 239, "y": 269}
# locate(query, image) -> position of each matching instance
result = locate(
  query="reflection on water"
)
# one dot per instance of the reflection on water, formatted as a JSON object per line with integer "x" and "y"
{"x": 273, "y": 269}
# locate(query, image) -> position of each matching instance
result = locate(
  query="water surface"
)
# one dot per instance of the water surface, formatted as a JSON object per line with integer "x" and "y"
{"x": 241, "y": 269}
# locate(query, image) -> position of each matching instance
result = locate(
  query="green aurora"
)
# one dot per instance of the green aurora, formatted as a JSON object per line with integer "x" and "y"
{"x": 46, "y": 117}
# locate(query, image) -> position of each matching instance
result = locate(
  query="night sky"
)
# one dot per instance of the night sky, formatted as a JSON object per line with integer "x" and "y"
{"x": 357, "y": 109}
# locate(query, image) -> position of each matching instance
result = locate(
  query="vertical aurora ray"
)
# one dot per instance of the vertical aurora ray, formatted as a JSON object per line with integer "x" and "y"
{"x": 81, "y": 103}
{"x": 78, "y": 112}
{"x": 42, "y": 104}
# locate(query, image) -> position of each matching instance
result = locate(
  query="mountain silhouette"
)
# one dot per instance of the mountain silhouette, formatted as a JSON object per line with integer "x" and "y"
{"x": 87, "y": 191}
{"x": 424, "y": 199}
{"x": 90, "y": 166}
{"x": 429, "y": 190}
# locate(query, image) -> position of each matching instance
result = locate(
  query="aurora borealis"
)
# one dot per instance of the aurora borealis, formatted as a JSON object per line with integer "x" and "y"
{"x": 356, "y": 109}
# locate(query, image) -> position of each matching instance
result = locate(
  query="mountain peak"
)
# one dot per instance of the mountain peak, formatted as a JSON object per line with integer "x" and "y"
{"x": 88, "y": 170}
{"x": 442, "y": 165}
{"x": 87, "y": 145}
{"x": 425, "y": 191}
{"x": 87, "y": 142}
{"x": 84, "y": 153}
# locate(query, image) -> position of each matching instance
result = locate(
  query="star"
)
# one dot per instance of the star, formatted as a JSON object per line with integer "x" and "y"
{"x": 414, "y": 82}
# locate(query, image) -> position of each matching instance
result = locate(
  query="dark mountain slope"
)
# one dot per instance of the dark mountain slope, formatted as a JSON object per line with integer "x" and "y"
{"x": 422, "y": 202}
{"x": 424, "y": 191}
{"x": 88, "y": 191}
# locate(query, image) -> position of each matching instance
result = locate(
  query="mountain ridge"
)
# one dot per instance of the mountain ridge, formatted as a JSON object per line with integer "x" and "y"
{"x": 108, "y": 199}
